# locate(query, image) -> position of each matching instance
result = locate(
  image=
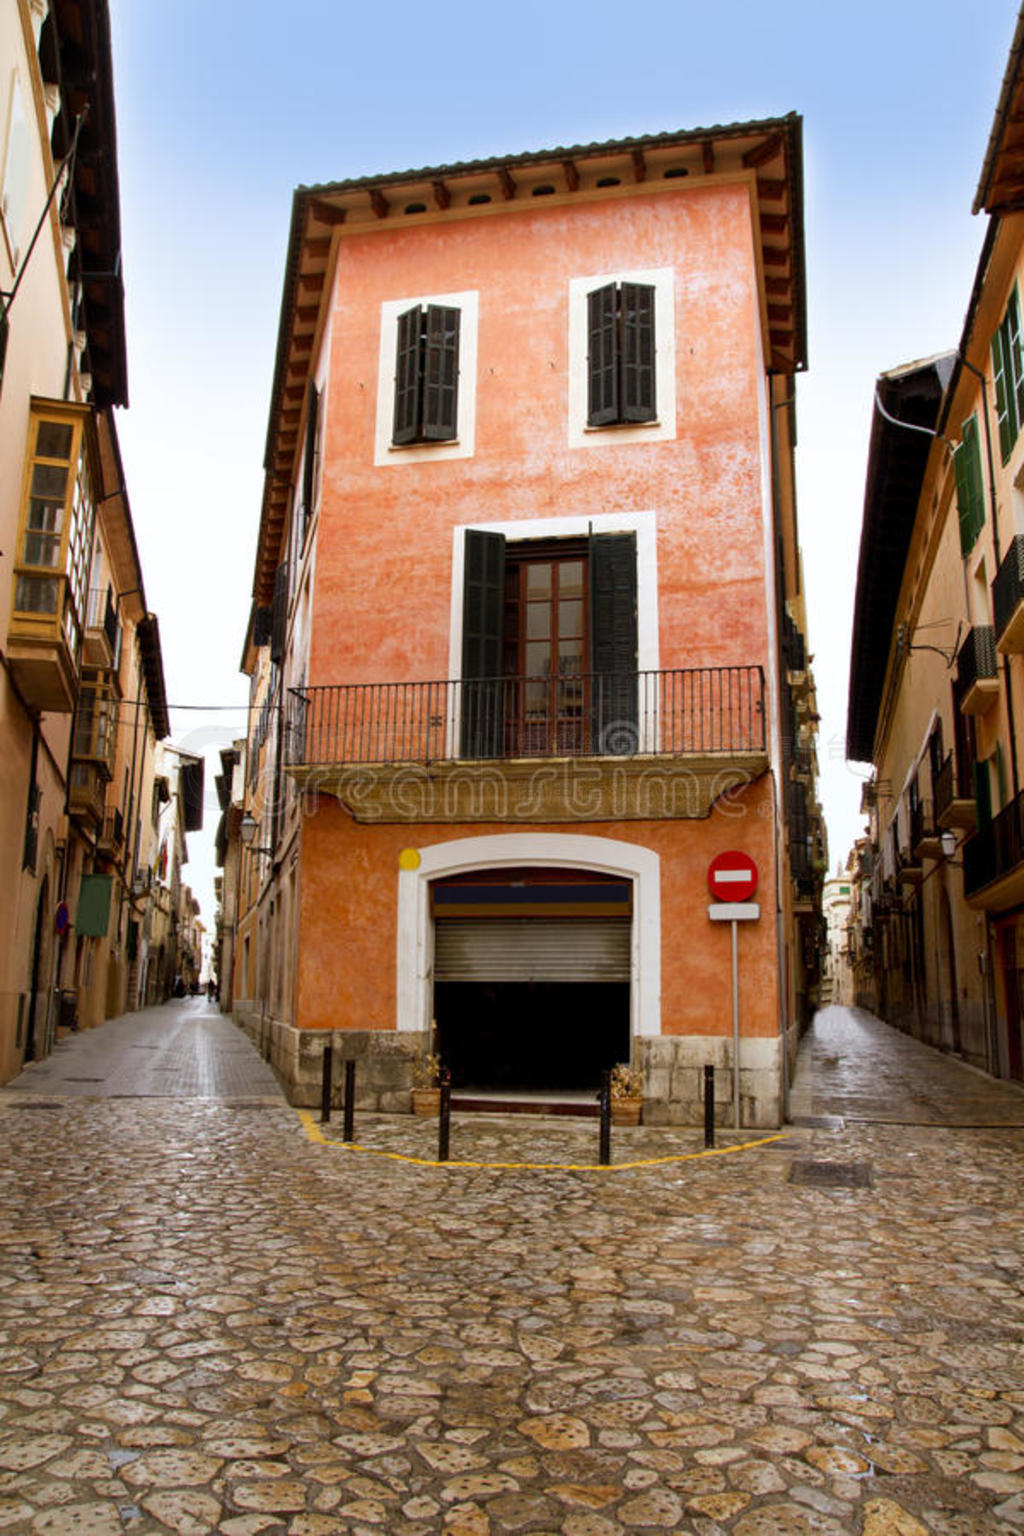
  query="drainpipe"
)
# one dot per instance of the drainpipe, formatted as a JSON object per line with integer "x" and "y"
{"x": 1011, "y": 726}
{"x": 778, "y": 792}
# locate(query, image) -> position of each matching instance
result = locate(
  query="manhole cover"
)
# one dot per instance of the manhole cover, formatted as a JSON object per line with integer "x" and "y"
{"x": 832, "y": 1175}
{"x": 818, "y": 1122}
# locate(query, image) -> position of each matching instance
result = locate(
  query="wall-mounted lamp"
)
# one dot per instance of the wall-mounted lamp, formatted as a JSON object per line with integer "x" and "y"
{"x": 247, "y": 829}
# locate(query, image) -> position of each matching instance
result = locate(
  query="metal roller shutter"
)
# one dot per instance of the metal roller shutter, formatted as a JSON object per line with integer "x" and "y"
{"x": 532, "y": 949}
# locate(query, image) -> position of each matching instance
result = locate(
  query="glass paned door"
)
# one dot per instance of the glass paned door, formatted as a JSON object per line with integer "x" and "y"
{"x": 545, "y": 651}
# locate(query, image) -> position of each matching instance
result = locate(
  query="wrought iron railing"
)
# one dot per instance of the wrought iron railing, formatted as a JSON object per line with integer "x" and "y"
{"x": 699, "y": 711}
{"x": 996, "y": 849}
{"x": 977, "y": 657}
{"x": 952, "y": 782}
{"x": 1008, "y": 585}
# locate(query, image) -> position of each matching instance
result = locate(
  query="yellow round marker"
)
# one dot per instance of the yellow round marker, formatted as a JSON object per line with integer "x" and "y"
{"x": 409, "y": 859}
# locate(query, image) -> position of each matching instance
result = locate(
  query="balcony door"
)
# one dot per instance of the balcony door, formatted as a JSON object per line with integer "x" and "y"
{"x": 549, "y": 646}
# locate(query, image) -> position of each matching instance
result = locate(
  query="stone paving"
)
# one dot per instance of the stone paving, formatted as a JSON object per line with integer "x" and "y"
{"x": 212, "y": 1319}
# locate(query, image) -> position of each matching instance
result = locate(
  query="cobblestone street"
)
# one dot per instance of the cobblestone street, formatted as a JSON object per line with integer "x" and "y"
{"x": 216, "y": 1318}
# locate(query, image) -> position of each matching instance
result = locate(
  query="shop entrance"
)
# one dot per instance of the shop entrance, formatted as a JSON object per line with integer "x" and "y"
{"x": 532, "y": 978}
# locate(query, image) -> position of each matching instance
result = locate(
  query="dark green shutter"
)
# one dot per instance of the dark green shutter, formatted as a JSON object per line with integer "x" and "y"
{"x": 970, "y": 496}
{"x": 407, "y": 377}
{"x": 441, "y": 374}
{"x": 637, "y": 389}
{"x": 1004, "y": 397}
{"x": 613, "y": 629}
{"x": 482, "y": 623}
{"x": 309, "y": 457}
{"x": 602, "y": 357}
{"x": 1014, "y": 359}
{"x": 279, "y": 622}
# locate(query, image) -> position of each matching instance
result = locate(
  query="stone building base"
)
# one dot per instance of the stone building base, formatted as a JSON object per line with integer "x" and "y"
{"x": 672, "y": 1067}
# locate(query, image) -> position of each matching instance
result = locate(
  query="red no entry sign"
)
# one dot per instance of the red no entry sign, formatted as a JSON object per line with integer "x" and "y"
{"x": 732, "y": 876}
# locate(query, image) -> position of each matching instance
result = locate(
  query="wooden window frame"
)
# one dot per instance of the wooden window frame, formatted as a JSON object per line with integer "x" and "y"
{"x": 70, "y": 570}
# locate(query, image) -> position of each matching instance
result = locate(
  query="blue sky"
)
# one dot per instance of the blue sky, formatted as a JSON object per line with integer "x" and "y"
{"x": 224, "y": 109}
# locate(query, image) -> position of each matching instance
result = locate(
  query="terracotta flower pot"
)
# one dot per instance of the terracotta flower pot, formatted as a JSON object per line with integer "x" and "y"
{"x": 426, "y": 1103}
{"x": 626, "y": 1111}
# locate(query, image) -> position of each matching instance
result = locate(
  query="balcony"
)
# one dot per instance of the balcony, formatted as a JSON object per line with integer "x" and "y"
{"x": 1008, "y": 599}
{"x": 110, "y": 837}
{"x": 580, "y": 747}
{"x": 909, "y": 867}
{"x": 977, "y": 680}
{"x": 954, "y": 796}
{"x": 925, "y": 833}
{"x": 994, "y": 860}
{"x": 102, "y": 641}
{"x": 42, "y": 639}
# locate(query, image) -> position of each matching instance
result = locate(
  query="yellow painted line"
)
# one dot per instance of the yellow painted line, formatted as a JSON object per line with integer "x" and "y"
{"x": 313, "y": 1130}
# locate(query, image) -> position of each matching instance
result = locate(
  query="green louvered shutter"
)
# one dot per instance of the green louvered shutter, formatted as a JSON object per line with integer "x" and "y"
{"x": 407, "y": 377}
{"x": 1014, "y": 359}
{"x": 613, "y": 629}
{"x": 602, "y": 357}
{"x": 483, "y": 614}
{"x": 1001, "y": 368}
{"x": 637, "y": 388}
{"x": 441, "y": 374}
{"x": 969, "y": 491}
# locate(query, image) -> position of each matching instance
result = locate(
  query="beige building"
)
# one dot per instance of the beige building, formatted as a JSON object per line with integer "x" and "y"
{"x": 81, "y": 683}
{"x": 937, "y": 679}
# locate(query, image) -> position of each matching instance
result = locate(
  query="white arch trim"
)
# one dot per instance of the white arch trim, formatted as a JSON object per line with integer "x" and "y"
{"x": 415, "y": 959}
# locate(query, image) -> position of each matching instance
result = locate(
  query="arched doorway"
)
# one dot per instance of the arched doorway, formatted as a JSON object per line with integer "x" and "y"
{"x": 532, "y": 976}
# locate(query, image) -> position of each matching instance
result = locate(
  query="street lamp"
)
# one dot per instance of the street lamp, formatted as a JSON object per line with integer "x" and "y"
{"x": 247, "y": 829}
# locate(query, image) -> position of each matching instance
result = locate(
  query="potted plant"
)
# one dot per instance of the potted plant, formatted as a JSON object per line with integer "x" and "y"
{"x": 426, "y": 1086}
{"x": 627, "y": 1094}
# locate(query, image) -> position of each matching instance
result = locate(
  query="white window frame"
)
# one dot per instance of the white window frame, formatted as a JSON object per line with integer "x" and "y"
{"x": 385, "y": 452}
{"x": 663, "y": 427}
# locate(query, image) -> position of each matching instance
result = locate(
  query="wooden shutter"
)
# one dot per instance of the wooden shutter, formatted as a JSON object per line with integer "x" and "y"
{"x": 309, "y": 457}
{"x": 969, "y": 489}
{"x": 1014, "y": 360}
{"x": 613, "y": 629}
{"x": 408, "y": 377}
{"x": 482, "y": 622}
{"x": 637, "y": 366}
{"x": 602, "y": 357}
{"x": 441, "y": 374}
{"x": 279, "y": 623}
{"x": 1004, "y": 398}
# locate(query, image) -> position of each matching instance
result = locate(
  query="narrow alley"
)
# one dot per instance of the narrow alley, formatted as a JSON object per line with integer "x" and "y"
{"x": 216, "y": 1318}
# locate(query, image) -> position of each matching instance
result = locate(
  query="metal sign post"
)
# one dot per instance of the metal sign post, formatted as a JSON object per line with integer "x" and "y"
{"x": 735, "y": 874}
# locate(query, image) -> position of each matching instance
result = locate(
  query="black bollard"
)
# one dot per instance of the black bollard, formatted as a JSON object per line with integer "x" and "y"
{"x": 604, "y": 1099}
{"x": 444, "y": 1123}
{"x": 325, "y": 1086}
{"x": 348, "y": 1134}
{"x": 709, "y": 1106}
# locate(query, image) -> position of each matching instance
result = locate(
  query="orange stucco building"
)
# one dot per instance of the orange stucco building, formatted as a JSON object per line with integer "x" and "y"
{"x": 526, "y": 644}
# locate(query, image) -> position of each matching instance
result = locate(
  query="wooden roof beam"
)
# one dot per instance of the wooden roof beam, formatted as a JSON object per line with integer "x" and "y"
{"x": 572, "y": 175}
{"x": 639, "y": 165}
{"x": 763, "y": 152}
{"x": 379, "y": 203}
{"x": 326, "y": 213}
{"x": 508, "y": 186}
{"x": 442, "y": 196}
{"x": 707, "y": 156}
